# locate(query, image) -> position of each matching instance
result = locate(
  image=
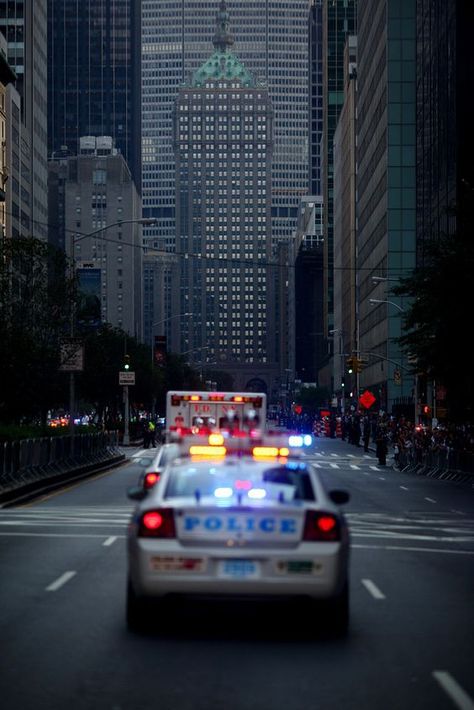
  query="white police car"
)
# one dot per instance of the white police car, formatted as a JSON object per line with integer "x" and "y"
{"x": 254, "y": 524}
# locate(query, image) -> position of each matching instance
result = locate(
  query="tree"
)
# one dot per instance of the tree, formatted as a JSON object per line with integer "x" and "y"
{"x": 437, "y": 323}
{"x": 35, "y": 303}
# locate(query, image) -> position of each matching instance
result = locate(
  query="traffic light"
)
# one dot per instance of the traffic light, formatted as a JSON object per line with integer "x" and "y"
{"x": 426, "y": 410}
{"x": 350, "y": 364}
{"x": 126, "y": 362}
{"x": 358, "y": 364}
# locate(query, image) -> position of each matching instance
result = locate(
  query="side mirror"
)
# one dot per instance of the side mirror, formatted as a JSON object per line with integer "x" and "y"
{"x": 136, "y": 493}
{"x": 339, "y": 497}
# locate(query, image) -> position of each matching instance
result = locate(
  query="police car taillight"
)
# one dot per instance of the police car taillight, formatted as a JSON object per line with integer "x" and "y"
{"x": 321, "y": 527}
{"x": 157, "y": 523}
{"x": 150, "y": 480}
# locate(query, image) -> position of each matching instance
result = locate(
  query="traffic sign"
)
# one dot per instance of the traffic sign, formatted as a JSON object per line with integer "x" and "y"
{"x": 367, "y": 399}
{"x": 71, "y": 355}
{"x": 126, "y": 378}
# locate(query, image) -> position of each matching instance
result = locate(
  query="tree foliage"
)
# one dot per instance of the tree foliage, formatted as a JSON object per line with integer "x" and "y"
{"x": 35, "y": 303}
{"x": 437, "y": 322}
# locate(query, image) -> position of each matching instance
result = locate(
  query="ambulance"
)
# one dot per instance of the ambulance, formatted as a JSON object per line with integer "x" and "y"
{"x": 205, "y": 412}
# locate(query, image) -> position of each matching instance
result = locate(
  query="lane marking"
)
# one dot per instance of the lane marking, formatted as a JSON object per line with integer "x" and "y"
{"x": 334, "y": 465}
{"x": 61, "y": 581}
{"x": 373, "y": 589}
{"x": 374, "y": 468}
{"x": 110, "y": 541}
{"x": 452, "y": 688}
{"x": 59, "y": 535}
{"x": 355, "y": 467}
{"x": 403, "y": 548}
{"x": 430, "y": 500}
{"x": 404, "y": 488}
{"x": 381, "y": 478}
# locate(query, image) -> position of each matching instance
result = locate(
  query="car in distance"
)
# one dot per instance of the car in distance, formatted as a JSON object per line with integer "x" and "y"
{"x": 152, "y": 473}
{"x": 239, "y": 526}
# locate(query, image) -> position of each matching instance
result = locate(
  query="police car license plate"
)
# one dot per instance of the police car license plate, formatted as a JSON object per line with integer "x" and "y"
{"x": 238, "y": 569}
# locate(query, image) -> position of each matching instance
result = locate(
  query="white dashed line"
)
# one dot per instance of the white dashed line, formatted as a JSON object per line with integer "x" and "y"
{"x": 404, "y": 488}
{"x": 430, "y": 500}
{"x": 374, "y": 468}
{"x": 373, "y": 589}
{"x": 381, "y": 478}
{"x": 334, "y": 465}
{"x": 459, "y": 697}
{"x": 355, "y": 467}
{"x": 110, "y": 541}
{"x": 60, "y": 581}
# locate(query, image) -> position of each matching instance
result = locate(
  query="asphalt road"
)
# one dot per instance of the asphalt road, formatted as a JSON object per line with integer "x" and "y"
{"x": 64, "y": 644}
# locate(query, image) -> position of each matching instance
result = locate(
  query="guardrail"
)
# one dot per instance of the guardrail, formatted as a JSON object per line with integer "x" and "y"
{"x": 29, "y": 461}
{"x": 445, "y": 464}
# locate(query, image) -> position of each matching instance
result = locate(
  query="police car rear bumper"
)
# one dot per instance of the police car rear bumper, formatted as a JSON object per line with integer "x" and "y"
{"x": 158, "y": 569}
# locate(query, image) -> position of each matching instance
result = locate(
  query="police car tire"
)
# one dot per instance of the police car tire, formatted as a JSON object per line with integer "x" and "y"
{"x": 338, "y": 613}
{"x": 135, "y": 609}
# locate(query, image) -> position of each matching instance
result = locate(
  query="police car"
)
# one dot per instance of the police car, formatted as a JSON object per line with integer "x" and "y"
{"x": 239, "y": 520}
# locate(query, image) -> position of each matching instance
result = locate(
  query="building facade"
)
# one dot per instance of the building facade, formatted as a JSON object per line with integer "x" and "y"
{"x": 24, "y": 25}
{"x": 346, "y": 315}
{"x": 94, "y": 79}
{"x": 223, "y": 138}
{"x": 339, "y": 21}
{"x": 386, "y": 174}
{"x": 100, "y": 208}
{"x": 7, "y": 76}
{"x": 272, "y": 40}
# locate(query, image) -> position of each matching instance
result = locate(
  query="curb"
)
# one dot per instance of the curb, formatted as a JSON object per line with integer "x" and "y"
{"x": 30, "y": 491}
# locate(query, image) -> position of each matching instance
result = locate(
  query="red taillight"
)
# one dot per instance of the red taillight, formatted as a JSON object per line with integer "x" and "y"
{"x": 150, "y": 480}
{"x": 157, "y": 523}
{"x": 322, "y": 527}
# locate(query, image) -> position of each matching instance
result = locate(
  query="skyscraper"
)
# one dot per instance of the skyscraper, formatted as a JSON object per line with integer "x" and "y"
{"x": 272, "y": 39}
{"x": 386, "y": 172}
{"x": 94, "y": 81}
{"x": 339, "y": 21}
{"x": 23, "y": 24}
{"x": 223, "y": 133}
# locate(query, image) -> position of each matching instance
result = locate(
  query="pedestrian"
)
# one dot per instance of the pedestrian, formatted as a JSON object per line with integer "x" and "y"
{"x": 366, "y": 432}
{"x": 151, "y": 433}
{"x": 381, "y": 448}
{"x": 146, "y": 435}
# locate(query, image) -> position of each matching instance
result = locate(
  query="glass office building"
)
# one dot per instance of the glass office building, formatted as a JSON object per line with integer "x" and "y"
{"x": 94, "y": 76}
{"x": 271, "y": 36}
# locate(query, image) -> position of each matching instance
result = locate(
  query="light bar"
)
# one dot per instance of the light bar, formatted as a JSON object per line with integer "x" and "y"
{"x": 216, "y": 439}
{"x": 198, "y": 450}
{"x": 270, "y": 451}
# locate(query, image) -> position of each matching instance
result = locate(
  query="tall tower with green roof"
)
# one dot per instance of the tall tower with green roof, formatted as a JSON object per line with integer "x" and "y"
{"x": 223, "y": 141}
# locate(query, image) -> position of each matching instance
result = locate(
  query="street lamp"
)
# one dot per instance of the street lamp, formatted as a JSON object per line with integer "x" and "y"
{"x": 160, "y": 322}
{"x": 375, "y": 301}
{"x": 339, "y": 332}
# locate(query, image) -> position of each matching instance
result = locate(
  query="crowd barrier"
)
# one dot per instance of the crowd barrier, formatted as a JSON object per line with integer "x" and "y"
{"x": 31, "y": 460}
{"x": 446, "y": 464}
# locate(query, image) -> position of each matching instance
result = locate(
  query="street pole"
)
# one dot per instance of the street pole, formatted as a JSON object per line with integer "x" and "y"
{"x": 126, "y": 434}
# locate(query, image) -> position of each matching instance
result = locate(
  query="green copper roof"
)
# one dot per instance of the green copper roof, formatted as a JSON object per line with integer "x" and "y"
{"x": 225, "y": 66}
{"x": 222, "y": 64}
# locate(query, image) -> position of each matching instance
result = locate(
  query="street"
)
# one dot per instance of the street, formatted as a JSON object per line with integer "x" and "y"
{"x": 64, "y": 642}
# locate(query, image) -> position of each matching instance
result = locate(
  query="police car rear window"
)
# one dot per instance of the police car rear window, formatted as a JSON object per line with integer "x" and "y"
{"x": 278, "y": 482}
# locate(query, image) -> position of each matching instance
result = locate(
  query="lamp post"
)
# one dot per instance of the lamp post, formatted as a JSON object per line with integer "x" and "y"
{"x": 74, "y": 239}
{"x": 160, "y": 322}
{"x": 375, "y": 301}
{"x": 339, "y": 332}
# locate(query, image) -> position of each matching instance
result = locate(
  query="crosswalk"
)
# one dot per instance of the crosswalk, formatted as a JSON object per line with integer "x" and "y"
{"x": 419, "y": 529}
{"x": 91, "y": 518}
